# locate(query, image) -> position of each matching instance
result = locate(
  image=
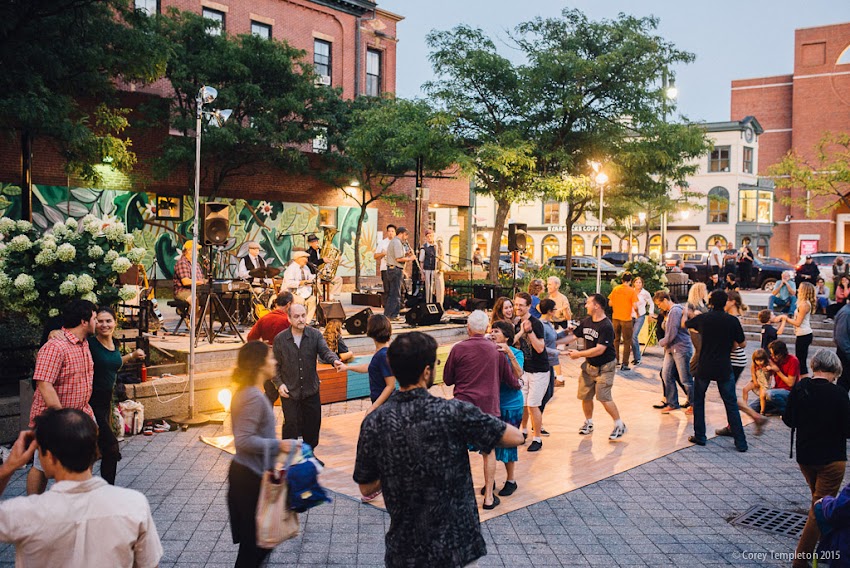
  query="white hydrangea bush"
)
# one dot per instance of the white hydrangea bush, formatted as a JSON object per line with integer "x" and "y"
{"x": 39, "y": 273}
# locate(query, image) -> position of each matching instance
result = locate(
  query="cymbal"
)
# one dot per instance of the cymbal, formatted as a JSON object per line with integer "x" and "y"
{"x": 267, "y": 272}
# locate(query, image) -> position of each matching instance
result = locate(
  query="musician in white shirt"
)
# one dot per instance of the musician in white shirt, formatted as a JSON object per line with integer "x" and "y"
{"x": 251, "y": 261}
{"x": 298, "y": 279}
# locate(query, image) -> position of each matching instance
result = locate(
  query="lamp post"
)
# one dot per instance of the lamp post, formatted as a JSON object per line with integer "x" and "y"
{"x": 600, "y": 179}
{"x": 205, "y": 96}
{"x": 668, "y": 85}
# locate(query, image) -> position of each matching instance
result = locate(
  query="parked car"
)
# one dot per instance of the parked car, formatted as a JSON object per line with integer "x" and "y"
{"x": 767, "y": 271}
{"x": 621, "y": 258}
{"x": 584, "y": 267}
{"x": 505, "y": 265}
{"x": 824, "y": 261}
{"x": 696, "y": 263}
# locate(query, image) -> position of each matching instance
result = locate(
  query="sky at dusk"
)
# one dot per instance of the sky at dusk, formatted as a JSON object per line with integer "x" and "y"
{"x": 731, "y": 39}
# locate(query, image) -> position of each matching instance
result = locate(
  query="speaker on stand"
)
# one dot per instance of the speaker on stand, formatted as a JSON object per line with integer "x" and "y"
{"x": 216, "y": 224}
{"x": 356, "y": 324}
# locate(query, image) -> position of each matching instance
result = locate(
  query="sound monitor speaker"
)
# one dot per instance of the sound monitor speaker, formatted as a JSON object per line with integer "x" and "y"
{"x": 216, "y": 225}
{"x": 356, "y": 324}
{"x": 488, "y": 292}
{"x": 424, "y": 314}
{"x": 517, "y": 237}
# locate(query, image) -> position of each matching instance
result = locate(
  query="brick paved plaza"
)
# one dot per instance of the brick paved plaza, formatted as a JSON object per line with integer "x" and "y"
{"x": 672, "y": 511}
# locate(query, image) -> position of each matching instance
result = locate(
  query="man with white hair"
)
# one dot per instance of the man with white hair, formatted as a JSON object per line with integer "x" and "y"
{"x": 477, "y": 368}
{"x": 562, "y": 313}
{"x": 784, "y": 296}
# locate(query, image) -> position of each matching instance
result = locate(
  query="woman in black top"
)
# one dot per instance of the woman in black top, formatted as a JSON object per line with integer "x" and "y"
{"x": 819, "y": 410}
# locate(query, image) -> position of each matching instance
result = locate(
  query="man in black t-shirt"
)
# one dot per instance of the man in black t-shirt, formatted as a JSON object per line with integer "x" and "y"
{"x": 535, "y": 377}
{"x": 719, "y": 333}
{"x": 597, "y": 371}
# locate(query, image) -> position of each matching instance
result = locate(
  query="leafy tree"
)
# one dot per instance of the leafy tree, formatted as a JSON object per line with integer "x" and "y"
{"x": 276, "y": 106}
{"x": 377, "y": 144}
{"x": 483, "y": 93}
{"x": 62, "y": 61}
{"x": 825, "y": 176}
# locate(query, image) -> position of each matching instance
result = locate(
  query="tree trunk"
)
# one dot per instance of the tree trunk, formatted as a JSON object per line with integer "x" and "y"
{"x": 503, "y": 207}
{"x": 357, "y": 245}
{"x": 568, "y": 254}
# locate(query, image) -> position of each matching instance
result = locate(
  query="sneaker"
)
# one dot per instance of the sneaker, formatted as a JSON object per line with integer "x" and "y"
{"x": 660, "y": 405}
{"x": 586, "y": 429}
{"x": 617, "y": 432}
{"x": 670, "y": 409}
{"x": 686, "y": 404}
{"x": 494, "y": 488}
{"x": 535, "y": 446}
{"x": 741, "y": 449}
{"x": 694, "y": 440}
{"x": 725, "y": 431}
{"x": 370, "y": 497}
{"x": 492, "y": 505}
{"x": 689, "y": 410}
{"x": 625, "y": 367}
{"x": 543, "y": 432}
{"x": 636, "y": 362}
{"x": 508, "y": 489}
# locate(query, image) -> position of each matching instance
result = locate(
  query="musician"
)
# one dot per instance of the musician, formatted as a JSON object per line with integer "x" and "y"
{"x": 183, "y": 274}
{"x": 315, "y": 262}
{"x": 251, "y": 261}
{"x": 277, "y": 320}
{"x": 381, "y": 255}
{"x": 428, "y": 264}
{"x": 398, "y": 255}
{"x": 298, "y": 279}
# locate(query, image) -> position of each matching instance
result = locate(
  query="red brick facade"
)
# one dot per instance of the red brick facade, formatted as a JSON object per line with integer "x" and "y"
{"x": 795, "y": 111}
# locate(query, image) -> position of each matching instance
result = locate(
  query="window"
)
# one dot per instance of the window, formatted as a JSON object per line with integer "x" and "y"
{"x": 503, "y": 242}
{"x": 149, "y": 7}
{"x": 710, "y": 242}
{"x": 551, "y": 213}
{"x": 454, "y": 249}
{"x": 432, "y": 219}
{"x": 578, "y": 245}
{"x": 624, "y": 245}
{"x": 216, "y": 16}
{"x": 606, "y": 245}
{"x": 655, "y": 244}
{"x": 718, "y": 205}
{"x": 260, "y": 29}
{"x": 320, "y": 142}
{"x": 551, "y": 247}
{"x": 373, "y": 73}
{"x": 686, "y": 242}
{"x": 756, "y": 206}
{"x": 748, "y": 160}
{"x": 719, "y": 159}
{"x": 453, "y": 217}
{"x": 322, "y": 60}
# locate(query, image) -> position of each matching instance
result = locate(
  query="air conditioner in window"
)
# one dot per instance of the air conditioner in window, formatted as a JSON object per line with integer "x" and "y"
{"x": 323, "y": 80}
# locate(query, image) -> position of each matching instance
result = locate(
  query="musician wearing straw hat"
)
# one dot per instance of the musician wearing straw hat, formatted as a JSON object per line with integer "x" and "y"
{"x": 298, "y": 279}
{"x": 183, "y": 274}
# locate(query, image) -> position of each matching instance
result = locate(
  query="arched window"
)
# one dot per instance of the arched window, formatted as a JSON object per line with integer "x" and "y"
{"x": 551, "y": 247}
{"x": 655, "y": 244}
{"x": 606, "y": 244}
{"x": 529, "y": 248}
{"x": 710, "y": 242}
{"x": 718, "y": 205}
{"x": 624, "y": 245}
{"x": 504, "y": 241}
{"x": 686, "y": 242}
{"x": 481, "y": 242}
{"x": 578, "y": 245}
{"x": 454, "y": 249}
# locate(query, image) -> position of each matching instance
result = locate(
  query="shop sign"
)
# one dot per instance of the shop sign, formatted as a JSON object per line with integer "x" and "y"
{"x": 808, "y": 247}
{"x": 576, "y": 228}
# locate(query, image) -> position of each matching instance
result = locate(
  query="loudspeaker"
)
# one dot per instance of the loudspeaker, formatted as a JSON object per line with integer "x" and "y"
{"x": 488, "y": 292}
{"x": 424, "y": 314}
{"x": 330, "y": 311}
{"x": 473, "y": 304}
{"x": 216, "y": 226}
{"x": 517, "y": 237}
{"x": 356, "y": 324}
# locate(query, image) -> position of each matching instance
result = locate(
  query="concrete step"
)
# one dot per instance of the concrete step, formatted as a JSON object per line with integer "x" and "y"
{"x": 789, "y": 331}
{"x": 755, "y": 337}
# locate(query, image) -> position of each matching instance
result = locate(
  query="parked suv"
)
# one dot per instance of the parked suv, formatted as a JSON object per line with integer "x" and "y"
{"x": 765, "y": 273}
{"x": 824, "y": 261}
{"x": 584, "y": 267}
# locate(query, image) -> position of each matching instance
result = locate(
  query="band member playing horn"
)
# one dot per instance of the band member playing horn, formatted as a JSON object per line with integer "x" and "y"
{"x": 316, "y": 261}
{"x": 251, "y": 261}
{"x": 299, "y": 280}
{"x": 428, "y": 264}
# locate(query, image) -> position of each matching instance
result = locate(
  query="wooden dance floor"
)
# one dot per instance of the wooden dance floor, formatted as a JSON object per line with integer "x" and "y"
{"x": 566, "y": 462}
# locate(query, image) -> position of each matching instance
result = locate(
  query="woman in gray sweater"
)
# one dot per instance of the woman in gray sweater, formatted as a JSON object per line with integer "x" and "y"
{"x": 257, "y": 447}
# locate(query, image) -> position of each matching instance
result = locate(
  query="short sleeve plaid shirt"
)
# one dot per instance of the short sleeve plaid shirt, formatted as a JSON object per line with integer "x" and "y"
{"x": 66, "y": 363}
{"x": 183, "y": 269}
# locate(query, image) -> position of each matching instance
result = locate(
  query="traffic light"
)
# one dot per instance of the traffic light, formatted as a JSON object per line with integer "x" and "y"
{"x": 517, "y": 237}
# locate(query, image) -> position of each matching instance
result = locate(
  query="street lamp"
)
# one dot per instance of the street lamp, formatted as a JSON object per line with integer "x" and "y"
{"x": 671, "y": 93}
{"x": 600, "y": 179}
{"x": 206, "y": 95}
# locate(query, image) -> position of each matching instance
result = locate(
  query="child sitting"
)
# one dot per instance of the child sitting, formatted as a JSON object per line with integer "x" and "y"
{"x": 768, "y": 332}
{"x": 761, "y": 378}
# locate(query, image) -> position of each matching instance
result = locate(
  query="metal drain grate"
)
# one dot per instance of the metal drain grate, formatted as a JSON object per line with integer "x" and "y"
{"x": 772, "y": 520}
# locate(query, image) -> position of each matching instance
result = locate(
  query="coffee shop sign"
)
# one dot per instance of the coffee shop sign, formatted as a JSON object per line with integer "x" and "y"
{"x": 576, "y": 228}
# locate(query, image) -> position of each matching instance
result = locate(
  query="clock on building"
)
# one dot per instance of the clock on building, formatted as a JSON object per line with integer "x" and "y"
{"x": 749, "y": 134}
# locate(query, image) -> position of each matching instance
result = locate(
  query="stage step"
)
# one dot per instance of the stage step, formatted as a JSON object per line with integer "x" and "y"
{"x": 754, "y": 338}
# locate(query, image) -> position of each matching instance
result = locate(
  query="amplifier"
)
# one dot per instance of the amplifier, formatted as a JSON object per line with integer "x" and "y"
{"x": 224, "y": 286}
{"x": 488, "y": 292}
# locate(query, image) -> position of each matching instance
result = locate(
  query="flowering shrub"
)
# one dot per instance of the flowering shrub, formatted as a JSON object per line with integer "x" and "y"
{"x": 40, "y": 274}
{"x": 652, "y": 274}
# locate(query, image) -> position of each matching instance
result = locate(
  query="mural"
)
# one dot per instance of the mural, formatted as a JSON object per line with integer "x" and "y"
{"x": 278, "y": 227}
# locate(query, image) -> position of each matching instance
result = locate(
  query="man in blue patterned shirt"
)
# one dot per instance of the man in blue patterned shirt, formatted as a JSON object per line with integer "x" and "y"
{"x": 414, "y": 448}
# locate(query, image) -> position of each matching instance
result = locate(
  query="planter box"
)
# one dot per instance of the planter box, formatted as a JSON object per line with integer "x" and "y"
{"x": 333, "y": 386}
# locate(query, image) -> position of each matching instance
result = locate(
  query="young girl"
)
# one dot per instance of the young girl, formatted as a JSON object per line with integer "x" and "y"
{"x": 762, "y": 378}
{"x": 802, "y": 322}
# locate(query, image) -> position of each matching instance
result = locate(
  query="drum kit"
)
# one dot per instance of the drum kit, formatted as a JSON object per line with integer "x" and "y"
{"x": 264, "y": 295}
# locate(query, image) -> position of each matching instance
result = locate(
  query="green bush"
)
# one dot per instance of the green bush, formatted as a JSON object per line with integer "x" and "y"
{"x": 651, "y": 273}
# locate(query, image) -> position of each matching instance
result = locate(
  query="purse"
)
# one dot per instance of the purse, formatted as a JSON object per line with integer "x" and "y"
{"x": 276, "y": 523}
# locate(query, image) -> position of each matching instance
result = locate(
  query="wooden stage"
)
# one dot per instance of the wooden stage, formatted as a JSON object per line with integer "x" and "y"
{"x": 566, "y": 462}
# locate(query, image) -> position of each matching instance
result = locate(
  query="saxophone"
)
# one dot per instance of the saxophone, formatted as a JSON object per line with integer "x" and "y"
{"x": 327, "y": 271}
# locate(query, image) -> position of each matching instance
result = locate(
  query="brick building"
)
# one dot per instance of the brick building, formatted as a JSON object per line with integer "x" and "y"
{"x": 795, "y": 110}
{"x": 352, "y": 45}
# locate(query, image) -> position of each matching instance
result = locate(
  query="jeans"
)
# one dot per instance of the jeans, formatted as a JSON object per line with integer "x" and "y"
{"x": 302, "y": 418}
{"x": 801, "y": 350}
{"x": 393, "y": 305}
{"x": 107, "y": 443}
{"x": 677, "y": 363}
{"x": 726, "y": 387}
{"x": 823, "y": 480}
{"x": 774, "y": 303}
{"x": 638, "y": 325}
{"x": 775, "y": 403}
{"x": 623, "y": 336}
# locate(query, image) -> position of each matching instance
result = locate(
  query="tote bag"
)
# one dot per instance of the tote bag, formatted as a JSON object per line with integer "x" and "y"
{"x": 275, "y": 521}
